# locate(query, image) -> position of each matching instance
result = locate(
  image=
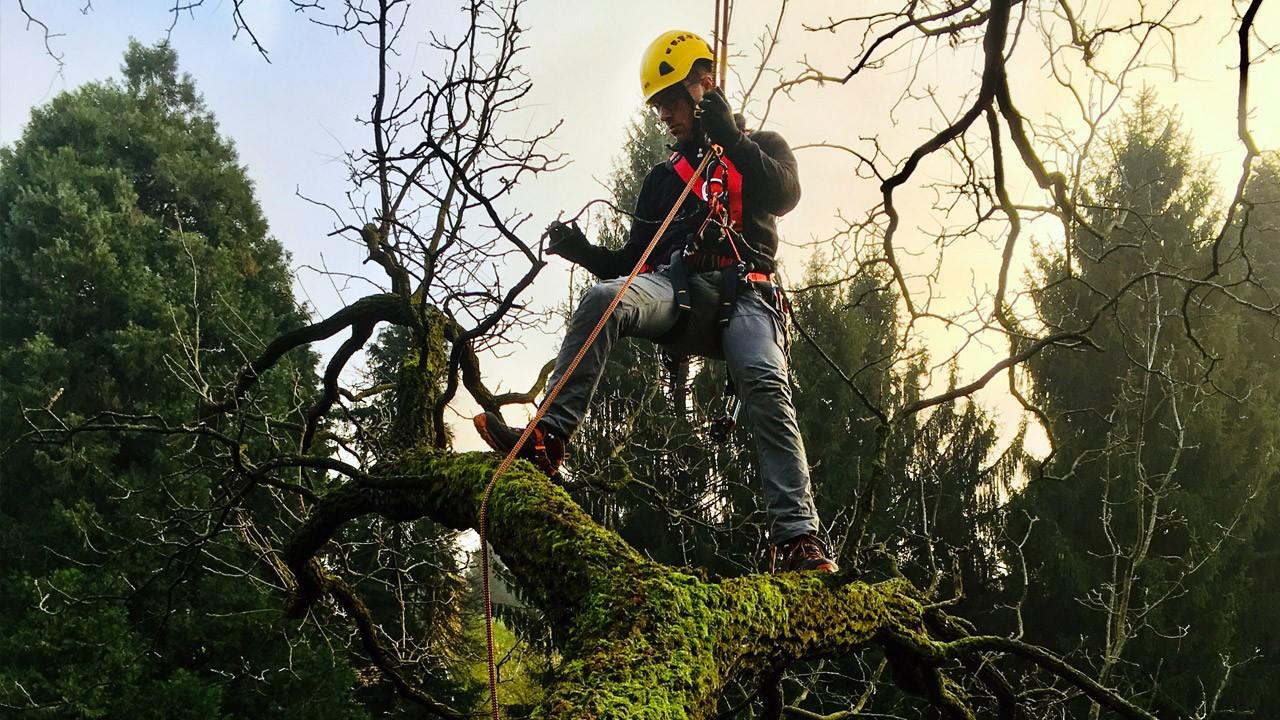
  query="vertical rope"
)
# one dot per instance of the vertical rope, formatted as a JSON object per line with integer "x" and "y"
{"x": 716, "y": 37}
{"x": 542, "y": 410}
{"x": 722, "y": 39}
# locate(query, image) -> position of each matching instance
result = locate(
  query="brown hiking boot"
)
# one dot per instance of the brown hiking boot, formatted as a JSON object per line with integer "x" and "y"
{"x": 805, "y": 552}
{"x": 543, "y": 448}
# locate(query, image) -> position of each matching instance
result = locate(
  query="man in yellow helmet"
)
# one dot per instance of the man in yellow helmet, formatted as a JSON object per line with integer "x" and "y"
{"x": 707, "y": 292}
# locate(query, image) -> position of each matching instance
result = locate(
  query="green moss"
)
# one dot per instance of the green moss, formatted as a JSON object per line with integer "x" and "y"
{"x": 421, "y": 379}
{"x": 659, "y": 643}
{"x": 638, "y": 639}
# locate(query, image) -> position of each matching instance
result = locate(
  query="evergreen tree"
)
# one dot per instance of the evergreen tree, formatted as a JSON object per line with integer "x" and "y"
{"x": 134, "y": 259}
{"x": 1164, "y": 433}
{"x": 1258, "y": 569}
{"x": 937, "y": 512}
{"x": 855, "y": 325}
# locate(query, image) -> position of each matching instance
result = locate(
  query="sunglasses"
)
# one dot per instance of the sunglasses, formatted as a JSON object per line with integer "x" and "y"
{"x": 670, "y": 97}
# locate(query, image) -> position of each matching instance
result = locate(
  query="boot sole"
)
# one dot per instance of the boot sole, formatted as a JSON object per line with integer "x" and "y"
{"x": 826, "y": 567}
{"x": 482, "y": 427}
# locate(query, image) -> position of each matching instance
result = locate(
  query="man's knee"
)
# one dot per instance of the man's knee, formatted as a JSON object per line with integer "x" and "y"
{"x": 596, "y": 300}
{"x": 764, "y": 378}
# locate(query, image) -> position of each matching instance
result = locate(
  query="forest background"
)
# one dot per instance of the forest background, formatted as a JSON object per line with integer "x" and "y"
{"x": 139, "y": 276}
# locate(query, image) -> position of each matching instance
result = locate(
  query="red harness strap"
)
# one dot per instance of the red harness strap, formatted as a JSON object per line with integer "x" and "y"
{"x": 725, "y": 174}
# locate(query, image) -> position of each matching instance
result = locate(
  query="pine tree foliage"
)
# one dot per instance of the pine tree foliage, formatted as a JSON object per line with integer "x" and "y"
{"x": 135, "y": 268}
{"x": 1166, "y": 438}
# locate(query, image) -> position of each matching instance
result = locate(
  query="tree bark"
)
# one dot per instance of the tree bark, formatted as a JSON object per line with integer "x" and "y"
{"x": 638, "y": 639}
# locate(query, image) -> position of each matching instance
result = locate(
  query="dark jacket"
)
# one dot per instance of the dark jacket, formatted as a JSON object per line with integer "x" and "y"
{"x": 770, "y": 187}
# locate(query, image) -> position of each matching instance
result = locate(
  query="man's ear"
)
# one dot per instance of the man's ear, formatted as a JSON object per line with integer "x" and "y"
{"x": 707, "y": 81}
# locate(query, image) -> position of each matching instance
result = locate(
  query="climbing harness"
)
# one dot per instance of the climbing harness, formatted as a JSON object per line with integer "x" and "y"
{"x": 718, "y": 184}
{"x": 537, "y": 417}
{"x": 720, "y": 249}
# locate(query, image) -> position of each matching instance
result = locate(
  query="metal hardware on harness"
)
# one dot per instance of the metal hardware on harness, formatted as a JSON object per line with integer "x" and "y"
{"x": 721, "y": 426}
{"x": 717, "y": 199}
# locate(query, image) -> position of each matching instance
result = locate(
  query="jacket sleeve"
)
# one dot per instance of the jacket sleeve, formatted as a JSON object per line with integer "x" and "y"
{"x": 607, "y": 264}
{"x": 769, "y": 170}
{"x": 601, "y": 261}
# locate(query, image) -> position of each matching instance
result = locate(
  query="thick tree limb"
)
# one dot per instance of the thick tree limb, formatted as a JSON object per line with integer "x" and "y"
{"x": 360, "y": 333}
{"x": 388, "y": 307}
{"x": 641, "y": 639}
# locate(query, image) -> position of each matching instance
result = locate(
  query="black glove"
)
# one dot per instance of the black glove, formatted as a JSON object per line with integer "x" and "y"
{"x": 718, "y": 121}
{"x": 567, "y": 241}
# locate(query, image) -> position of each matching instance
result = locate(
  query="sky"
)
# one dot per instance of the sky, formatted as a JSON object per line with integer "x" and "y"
{"x": 292, "y": 118}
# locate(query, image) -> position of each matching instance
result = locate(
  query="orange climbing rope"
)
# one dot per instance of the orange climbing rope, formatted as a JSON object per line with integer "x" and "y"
{"x": 542, "y": 410}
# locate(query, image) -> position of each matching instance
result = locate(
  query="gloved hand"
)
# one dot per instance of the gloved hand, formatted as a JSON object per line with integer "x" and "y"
{"x": 567, "y": 241}
{"x": 718, "y": 121}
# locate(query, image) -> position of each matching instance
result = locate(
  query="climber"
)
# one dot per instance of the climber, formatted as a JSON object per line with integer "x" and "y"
{"x": 708, "y": 290}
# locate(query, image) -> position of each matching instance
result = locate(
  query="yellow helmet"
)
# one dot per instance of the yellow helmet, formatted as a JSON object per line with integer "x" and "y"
{"x": 669, "y": 59}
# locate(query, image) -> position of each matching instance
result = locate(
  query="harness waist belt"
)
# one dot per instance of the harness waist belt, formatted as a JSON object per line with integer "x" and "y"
{"x": 721, "y": 262}
{"x": 703, "y": 261}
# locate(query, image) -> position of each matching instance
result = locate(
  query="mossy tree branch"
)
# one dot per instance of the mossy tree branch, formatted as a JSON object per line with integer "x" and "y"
{"x": 369, "y": 310}
{"x": 640, "y": 639}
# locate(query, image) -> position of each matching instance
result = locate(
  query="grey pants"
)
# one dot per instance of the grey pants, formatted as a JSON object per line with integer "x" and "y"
{"x": 752, "y": 348}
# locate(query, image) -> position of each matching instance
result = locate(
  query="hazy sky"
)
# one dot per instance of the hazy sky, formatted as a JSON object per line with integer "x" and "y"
{"x": 291, "y": 117}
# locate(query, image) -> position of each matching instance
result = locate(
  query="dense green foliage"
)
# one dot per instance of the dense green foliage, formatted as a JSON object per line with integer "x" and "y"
{"x": 1148, "y": 553}
{"x": 136, "y": 268}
